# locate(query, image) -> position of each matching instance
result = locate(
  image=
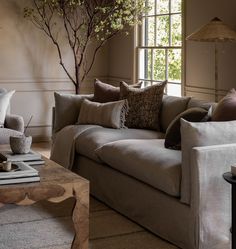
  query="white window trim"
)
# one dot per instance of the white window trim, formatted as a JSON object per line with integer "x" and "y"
{"x": 137, "y": 41}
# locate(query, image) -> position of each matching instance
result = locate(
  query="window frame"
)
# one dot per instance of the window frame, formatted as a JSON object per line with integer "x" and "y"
{"x": 139, "y": 46}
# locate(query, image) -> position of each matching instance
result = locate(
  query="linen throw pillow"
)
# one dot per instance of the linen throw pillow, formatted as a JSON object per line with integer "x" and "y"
{"x": 5, "y": 98}
{"x": 197, "y": 135}
{"x": 67, "y": 108}
{"x": 110, "y": 114}
{"x": 173, "y": 136}
{"x": 226, "y": 108}
{"x": 104, "y": 92}
{"x": 144, "y": 105}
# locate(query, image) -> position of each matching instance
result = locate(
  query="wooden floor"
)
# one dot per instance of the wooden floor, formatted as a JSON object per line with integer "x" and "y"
{"x": 110, "y": 230}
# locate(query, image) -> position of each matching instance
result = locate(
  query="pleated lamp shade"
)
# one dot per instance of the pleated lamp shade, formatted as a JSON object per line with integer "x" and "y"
{"x": 214, "y": 31}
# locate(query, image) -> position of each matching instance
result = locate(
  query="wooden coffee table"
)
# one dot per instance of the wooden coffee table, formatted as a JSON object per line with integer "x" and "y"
{"x": 56, "y": 185}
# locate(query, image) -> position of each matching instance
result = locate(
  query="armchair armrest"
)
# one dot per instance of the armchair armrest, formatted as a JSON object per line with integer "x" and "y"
{"x": 14, "y": 122}
{"x": 211, "y": 195}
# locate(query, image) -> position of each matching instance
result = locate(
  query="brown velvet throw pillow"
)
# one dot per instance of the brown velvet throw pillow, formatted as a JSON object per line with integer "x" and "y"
{"x": 144, "y": 105}
{"x": 173, "y": 135}
{"x": 226, "y": 108}
{"x": 104, "y": 92}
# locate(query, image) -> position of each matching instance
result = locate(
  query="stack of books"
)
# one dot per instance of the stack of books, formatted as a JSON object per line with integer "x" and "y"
{"x": 31, "y": 158}
{"x": 20, "y": 173}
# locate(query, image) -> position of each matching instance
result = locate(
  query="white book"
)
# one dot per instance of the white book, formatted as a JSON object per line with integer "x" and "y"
{"x": 24, "y": 170}
{"x": 10, "y": 156}
{"x": 20, "y": 180}
{"x": 36, "y": 162}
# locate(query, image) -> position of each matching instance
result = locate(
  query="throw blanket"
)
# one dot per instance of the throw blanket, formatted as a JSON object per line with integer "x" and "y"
{"x": 63, "y": 148}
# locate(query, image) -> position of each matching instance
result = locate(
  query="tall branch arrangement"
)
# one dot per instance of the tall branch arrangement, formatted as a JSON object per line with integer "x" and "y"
{"x": 85, "y": 23}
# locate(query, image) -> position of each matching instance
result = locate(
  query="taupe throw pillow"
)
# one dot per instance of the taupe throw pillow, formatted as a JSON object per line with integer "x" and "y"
{"x": 104, "y": 92}
{"x": 173, "y": 135}
{"x": 144, "y": 105}
{"x": 110, "y": 114}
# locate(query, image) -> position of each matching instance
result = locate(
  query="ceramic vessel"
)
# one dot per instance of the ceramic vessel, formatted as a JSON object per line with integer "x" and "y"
{"x": 20, "y": 144}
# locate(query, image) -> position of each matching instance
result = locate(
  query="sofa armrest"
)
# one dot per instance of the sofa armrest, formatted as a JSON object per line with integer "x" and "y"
{"x": 14, "y": 122}
{"x": 211, "y": 195}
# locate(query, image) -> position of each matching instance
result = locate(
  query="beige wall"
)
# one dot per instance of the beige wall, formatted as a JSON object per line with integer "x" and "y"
{"x": 29, "y": 64}
{"x": 200, "y": 56}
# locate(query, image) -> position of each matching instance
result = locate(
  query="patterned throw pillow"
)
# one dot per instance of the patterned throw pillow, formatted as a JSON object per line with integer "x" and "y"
{"x": 144, "y": 105}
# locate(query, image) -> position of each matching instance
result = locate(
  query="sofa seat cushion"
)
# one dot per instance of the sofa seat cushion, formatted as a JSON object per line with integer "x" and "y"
{"x": 146, "y": 160}
{"x": 90, "y": 140}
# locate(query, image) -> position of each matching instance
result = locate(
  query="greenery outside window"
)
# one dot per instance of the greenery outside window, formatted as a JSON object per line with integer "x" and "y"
{"x": 160, "y": 45}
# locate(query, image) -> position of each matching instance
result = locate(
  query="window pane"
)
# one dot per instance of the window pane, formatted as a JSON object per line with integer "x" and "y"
{"x": 145, "y": 63}
{"x": 141, "y": 64}
{"x": 173, "y": 89}
{"x": 149, "y": 31}
{"x": 162, "y": 36}
{"x": 159, "y": 67}
{"x": 175, "y": 6}
{"x": 176, "y": 30}
{"x": 174, "y": 65}
{"x": 147, "y": 83}
{"x": 151, "y": 5}
{"x": 162, "y": 6}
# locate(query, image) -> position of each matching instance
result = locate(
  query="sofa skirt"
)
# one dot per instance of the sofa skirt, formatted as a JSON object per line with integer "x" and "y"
{"x": 160, "y": 213}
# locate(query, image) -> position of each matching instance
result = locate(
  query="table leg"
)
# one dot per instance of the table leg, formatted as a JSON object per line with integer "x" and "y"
{"x": 81, "y": 221}
{"x": 233, "y": 216}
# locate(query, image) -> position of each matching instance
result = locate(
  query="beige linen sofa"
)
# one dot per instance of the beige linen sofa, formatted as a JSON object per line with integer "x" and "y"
{"x": 131, "y": 171}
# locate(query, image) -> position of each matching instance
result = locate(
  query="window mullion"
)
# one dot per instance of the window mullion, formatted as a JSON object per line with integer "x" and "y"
{"x": 170, "y": 24}
{"x": 155, "y": 24}
{"x": 152, "y": 67}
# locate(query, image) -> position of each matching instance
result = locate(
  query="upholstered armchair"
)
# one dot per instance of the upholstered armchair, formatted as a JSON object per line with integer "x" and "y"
{"x": 13, "y": 125}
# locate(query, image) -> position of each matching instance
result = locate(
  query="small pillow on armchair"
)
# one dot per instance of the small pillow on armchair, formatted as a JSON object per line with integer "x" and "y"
{"x": 5, "y": 98}
{"x": 110, "y": 114}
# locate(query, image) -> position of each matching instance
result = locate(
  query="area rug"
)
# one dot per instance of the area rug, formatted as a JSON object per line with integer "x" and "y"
{"x": 49, "y": 226}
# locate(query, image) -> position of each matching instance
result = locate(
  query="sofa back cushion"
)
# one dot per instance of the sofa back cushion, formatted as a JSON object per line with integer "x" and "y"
{"x": 67, "y": 108}
{"x": 193, "y": 102}
{"x": 197, "y": 135}
{"x": 171, "y": 107}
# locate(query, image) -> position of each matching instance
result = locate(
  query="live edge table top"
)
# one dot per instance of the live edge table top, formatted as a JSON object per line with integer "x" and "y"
{"x": 56, "y": 184}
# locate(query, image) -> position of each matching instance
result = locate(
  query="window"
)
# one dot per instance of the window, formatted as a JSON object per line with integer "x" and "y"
{"x": 160, "y": 45}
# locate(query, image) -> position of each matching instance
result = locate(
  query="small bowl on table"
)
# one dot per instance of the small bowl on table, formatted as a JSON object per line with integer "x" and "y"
{"x": 20, "y": 144}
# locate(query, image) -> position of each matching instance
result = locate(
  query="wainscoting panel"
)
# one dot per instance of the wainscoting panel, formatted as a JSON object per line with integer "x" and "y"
{"x": 36, "y": 97}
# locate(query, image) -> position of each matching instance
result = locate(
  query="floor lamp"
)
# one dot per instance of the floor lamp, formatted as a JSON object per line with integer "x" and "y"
{"x": 215, "y": 31}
